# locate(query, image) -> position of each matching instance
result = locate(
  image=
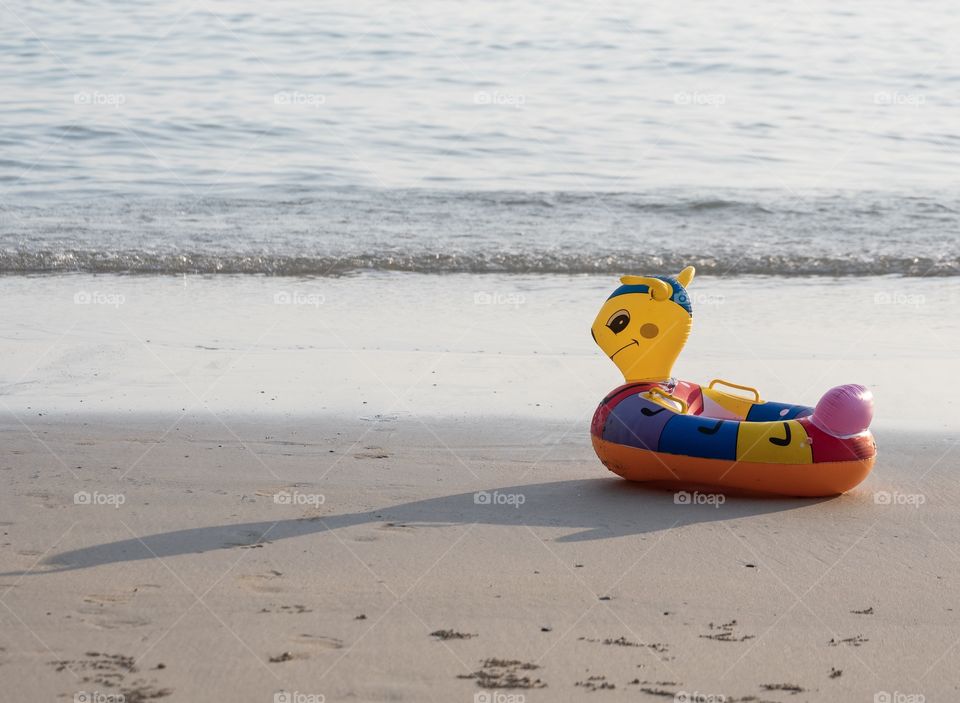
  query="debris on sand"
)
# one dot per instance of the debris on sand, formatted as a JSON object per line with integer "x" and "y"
{"x": 111, "y": 671}
{"x": 854, "y": 641}
{"x": 505, "y": 673}
{"x": 452, "y": 635}
{"x": 637, "y": 682}
{"x": 596, "y": 683}
{"x": 789, "y": 687}
{"x": 141, "y": 693}
{"x": 622, "y": 641}
{"x": 98, "y": 667}
{"x": 724, "y": 633}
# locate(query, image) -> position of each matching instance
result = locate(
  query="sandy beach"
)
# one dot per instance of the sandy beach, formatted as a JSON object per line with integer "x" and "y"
{"x": 185, "y": 518}
{"x": 308, "y": 308}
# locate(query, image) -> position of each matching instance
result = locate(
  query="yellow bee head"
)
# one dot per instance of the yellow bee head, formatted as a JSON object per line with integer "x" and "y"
{"x": 644, "y": 324}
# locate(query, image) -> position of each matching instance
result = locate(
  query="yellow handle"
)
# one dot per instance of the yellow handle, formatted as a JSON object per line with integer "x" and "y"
{"x": 756, "y": 394}
{"x": 667, "y": 396}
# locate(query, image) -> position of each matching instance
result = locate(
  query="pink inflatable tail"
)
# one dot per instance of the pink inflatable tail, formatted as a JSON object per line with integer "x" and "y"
{"x": 845, "y": 410}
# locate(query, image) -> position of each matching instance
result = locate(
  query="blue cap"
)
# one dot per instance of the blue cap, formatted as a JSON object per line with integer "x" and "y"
{"x": 678, "y": 296}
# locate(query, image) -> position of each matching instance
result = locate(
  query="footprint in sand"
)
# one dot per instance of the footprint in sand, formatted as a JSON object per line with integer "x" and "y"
{"x": 298, "y": 494}
{"x": 248, "y": 539}
{"x": 372, "y": 453}
{"x": 47, "y": 499}
{"x": 263, "y": 583}
{"x": 317, "y": 641}
{"x": 270, "y": 492}
{"x": 118, "y": 623}
{"x": 108, "y": 598}
{"x": 306, "y": 642}
{"x": 98, "y": 611}
{"x": 394, "y": 527}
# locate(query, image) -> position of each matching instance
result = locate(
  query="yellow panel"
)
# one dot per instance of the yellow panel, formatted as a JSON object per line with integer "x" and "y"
{"x": 774, "y": 443}
{"x": 736, "y": 404}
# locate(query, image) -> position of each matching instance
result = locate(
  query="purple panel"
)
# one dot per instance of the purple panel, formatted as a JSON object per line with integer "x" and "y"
{"x": 636, "y": 422}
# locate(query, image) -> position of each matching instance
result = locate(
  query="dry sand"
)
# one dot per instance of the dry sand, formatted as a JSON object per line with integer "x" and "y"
{"x": 400, "y": 583}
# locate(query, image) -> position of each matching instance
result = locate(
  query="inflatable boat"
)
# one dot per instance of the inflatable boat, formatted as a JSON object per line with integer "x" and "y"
{"x": 659, "y": 429}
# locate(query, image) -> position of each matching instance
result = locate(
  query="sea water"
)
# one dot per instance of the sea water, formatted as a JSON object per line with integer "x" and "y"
{"x": 566, "y": 137}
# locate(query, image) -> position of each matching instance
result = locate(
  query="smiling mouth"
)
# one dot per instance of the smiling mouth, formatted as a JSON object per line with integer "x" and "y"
{"x": 624, "y": 347}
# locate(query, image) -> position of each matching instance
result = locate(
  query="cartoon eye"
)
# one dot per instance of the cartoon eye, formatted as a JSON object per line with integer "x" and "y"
{"x": 618, "y": 321}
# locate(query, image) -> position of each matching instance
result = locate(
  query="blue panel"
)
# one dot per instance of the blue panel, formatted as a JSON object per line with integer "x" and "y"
{"x": 636, "y": 422}
{"x": 770, "y": 411}
{"x": 704, "y": 437}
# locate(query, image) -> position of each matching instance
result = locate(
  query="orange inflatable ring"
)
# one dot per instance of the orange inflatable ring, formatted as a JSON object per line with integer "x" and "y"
{"x": 660, "y": 429}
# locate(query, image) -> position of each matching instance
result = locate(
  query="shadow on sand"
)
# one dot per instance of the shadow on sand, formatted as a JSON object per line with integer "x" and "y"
{"x": 599, "y": 508}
